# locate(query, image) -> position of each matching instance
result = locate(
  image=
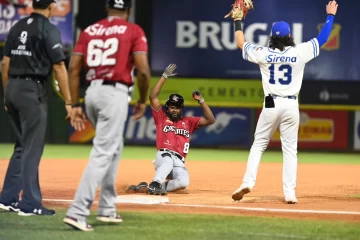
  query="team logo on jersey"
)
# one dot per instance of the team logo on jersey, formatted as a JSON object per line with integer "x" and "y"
{"x": 272, "y": 58}
{"x": 177, "y": 131}
{"x": 334, "y": 40}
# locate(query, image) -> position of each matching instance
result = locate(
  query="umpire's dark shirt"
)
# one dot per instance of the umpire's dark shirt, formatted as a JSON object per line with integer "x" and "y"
{"x": 33, "y": 45}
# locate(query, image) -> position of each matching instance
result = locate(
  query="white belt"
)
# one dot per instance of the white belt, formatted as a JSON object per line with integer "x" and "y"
{"x": 99, "y": 82}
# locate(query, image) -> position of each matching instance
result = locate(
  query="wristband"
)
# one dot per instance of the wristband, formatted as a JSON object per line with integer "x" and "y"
{"x": 237, "y": 25}
{"x": 76, "y": 105}
{"x": 201, "y": 101}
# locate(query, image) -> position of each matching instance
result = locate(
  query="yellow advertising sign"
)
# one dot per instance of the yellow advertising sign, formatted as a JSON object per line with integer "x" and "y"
{"x": 313, "y": 130}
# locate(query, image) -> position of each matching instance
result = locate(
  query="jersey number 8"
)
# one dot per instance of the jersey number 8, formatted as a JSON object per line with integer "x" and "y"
{"x": 286, "y": 69}
{"x": 100, "y": 52}
{"x": 186, "y": 147}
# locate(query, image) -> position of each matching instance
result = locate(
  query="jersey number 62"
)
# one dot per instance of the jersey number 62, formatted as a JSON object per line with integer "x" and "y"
{"x": 101, "y": 53}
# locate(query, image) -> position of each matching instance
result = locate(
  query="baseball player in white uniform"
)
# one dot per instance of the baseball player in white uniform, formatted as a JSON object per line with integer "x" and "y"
{"x": 282, "y": 68}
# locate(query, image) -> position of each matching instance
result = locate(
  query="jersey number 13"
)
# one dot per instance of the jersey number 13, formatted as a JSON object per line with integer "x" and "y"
{"x": 101, "y": 53}
{"x": 286, "y": 69}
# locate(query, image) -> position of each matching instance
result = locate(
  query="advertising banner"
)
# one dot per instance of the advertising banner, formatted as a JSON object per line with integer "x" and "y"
{"x": 62, "y": 18}
{"x": 232, "y": 128}
{"x": 201, "y": 42}
{"x": 357, "y": 131}
{"x": 217, "y": 92}
{"x": 330, "y": 92}
{"x": 319, "y": 130}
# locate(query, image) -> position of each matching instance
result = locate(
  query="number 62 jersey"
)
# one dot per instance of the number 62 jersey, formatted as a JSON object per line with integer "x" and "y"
{"x": 108, "y": 47}
{"x": 282, "y": 72}
{"x": 174, "y": 136}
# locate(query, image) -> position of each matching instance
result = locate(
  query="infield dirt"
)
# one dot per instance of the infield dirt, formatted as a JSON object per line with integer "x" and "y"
{"x": 330, "y": 187}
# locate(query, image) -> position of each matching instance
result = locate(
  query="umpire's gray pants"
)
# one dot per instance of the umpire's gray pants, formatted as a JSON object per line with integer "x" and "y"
{"x": 107, "y": 109}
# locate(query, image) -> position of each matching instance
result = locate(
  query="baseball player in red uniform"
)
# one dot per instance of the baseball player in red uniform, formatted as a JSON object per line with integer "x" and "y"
{"x": 109, "y": 50}
{"x": 173, "y": 133}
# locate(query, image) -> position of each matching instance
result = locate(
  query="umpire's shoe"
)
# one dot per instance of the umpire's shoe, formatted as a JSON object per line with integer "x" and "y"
{"x": 11, "y": 207}
{"x": 36, "y": 212}
{"x": 155, "y": 188}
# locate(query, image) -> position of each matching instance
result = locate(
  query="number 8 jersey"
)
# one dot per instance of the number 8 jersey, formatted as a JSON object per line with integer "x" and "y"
{"x": 174, "y": 136}
{"x": 282, "y": 72}
{"x": 108, "y": 47}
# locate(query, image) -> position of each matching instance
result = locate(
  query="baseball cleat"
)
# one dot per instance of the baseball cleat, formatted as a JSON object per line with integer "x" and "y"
{"x": 77, "y": 224}
{"x": 240, "y": 192}
{"x": 115, "y": 218}
{"x": 155, "y": 188}
{"x": 36, "y": 212}
{"x": 292, "y": 200}
{"x": 13, "y": 207}
{"x": 140, "y": 188}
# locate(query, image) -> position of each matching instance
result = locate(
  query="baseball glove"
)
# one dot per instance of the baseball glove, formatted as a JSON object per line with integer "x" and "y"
{"x": 240, "y": 9}
{"x": 140, "y": 188}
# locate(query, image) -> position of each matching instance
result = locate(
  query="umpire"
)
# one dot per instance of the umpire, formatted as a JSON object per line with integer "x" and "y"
{"x": 32, "y": 50}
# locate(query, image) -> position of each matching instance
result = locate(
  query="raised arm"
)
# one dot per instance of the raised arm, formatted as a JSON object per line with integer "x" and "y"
{"x": 324, "y": 34}
{"x": 208, "y": 117}
{"x": 154, "y": 101}
{"x": 239, "y": 35}
{"x": 238, "y": 12}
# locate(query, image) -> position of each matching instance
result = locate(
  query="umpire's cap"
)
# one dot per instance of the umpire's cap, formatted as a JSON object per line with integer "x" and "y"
{"x": 175, "y": 99}
{"x": 119, "y": 4}
{"x": 42, "y": 3}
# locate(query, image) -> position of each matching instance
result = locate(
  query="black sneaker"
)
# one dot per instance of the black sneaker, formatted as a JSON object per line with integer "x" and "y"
{"x": 155, "y": 188}
{"x": 12, "y": 207}
{"x": 36, "y": 211}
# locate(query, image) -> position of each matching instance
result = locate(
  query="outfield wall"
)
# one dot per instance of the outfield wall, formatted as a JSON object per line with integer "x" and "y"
{"x": 325, "y": 125}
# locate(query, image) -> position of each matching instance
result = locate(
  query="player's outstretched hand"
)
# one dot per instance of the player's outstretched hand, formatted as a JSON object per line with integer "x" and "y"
{"x": 331, "y": 8}
{"x": 197, "y": 96}
{"x": 169, "y": 71}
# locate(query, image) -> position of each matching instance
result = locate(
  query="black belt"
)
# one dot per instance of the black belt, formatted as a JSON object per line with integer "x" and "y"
{"x": 113, "y": 83}
{"x": 172, "y": 153}
{"x": 41, "y": 80}
{"x": 289, "y": 97}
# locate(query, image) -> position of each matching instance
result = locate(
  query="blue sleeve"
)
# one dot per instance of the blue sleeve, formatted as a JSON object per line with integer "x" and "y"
{"x": 326, "y": 30}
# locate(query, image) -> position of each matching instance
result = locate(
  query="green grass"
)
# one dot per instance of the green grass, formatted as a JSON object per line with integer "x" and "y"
{"x": 357, "y": 196}
{"x": 144, "y": 226}
{"x": 146, "y": 153}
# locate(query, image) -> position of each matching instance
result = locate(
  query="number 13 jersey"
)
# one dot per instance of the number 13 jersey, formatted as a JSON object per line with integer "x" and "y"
{"x": 108, "y": 47}
{"x": 282, "y": 72}
{"x": 174, "y": 136}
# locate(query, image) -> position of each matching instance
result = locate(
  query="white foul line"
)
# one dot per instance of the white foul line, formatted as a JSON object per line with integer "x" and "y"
{"x": 268, "y": 209}
{"x": 241, "y": 208}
